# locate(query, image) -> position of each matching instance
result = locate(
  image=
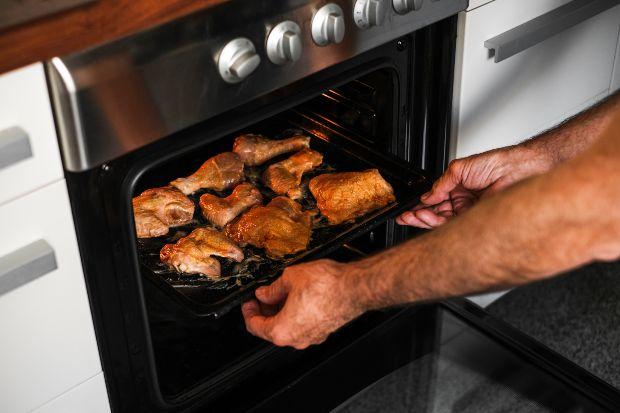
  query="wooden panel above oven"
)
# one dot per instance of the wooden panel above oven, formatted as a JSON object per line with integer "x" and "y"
{"x": 86, "y": 26}
{"x": 14, "y": 12}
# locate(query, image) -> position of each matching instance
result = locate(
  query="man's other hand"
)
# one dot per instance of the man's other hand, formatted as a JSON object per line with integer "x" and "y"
{"x": 468, "y": 179}
{"x": 302, "y": 307}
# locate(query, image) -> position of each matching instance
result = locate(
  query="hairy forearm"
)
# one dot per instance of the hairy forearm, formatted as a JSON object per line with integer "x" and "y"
{"x": 574, "y": 136}
{"x": 540, "y": 227}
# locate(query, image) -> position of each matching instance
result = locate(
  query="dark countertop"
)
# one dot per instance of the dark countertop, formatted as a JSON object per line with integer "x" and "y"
{"x": 576, "y": 314}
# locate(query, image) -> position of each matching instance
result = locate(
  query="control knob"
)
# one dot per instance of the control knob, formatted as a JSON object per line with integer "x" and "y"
{"x": 238, "y": 59}
{"x": 328, "y": 25}
{"x": 405, "y": 6}
{"x": 368, "y": 13}
{"x": 284, "y": 43}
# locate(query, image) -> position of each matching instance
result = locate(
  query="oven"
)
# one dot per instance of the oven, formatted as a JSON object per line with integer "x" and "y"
{"x": 367, "y": 80}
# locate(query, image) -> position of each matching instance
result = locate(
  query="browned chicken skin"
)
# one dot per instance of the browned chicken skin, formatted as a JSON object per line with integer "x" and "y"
{"x": 219, "y": 173}
{"x": 220, "y": 211}
{"x": 281, "y": 227}
{"x": 156, "y": 210}
{"x": 194, "y": 254}
{"x": 284, "y": 177}
{"x": 256, "y": 149}
{"x": 347, "y": 195}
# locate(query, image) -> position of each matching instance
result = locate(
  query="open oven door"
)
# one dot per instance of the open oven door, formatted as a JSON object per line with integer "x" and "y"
{"x": 440, "y": 357}
{"x": 444, "y": 358}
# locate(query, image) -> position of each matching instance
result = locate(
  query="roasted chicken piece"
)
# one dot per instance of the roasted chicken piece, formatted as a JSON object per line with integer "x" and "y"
{"x": 256, "y": 149}
{"x": 281, "y": 227}
{"x": 219, "y": 173}
{"x": 156, "y": 210}
{"x": 347, "y": 195}
{"x": 284, "y": 177}
{"x": 194, "y": 253}
{"x": 220, "y": 211}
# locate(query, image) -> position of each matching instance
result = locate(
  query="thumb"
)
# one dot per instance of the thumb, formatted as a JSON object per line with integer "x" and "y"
{"x": 257, "y": 323}
{"x": 274, "y": 293}
{"x": 441, "y": 189}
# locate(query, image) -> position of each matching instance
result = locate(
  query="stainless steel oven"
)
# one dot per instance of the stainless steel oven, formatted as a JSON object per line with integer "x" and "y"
{"x": 370, "y": 77}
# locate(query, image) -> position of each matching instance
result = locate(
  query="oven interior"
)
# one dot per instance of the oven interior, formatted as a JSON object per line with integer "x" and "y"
{"x": 191, "y": 350}
{"x": 336, "y": 133}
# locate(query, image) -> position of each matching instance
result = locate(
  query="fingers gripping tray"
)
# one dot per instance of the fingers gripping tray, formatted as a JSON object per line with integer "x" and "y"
{"x": 208, "y": 297}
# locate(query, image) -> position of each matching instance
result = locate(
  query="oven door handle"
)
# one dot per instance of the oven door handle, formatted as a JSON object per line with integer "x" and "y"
{"x": 26, "y": 264}
{"x": 14, "y": 146}
{"x": 545, "y": 26}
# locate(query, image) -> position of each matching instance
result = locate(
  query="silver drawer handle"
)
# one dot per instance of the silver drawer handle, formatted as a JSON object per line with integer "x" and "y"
{"x": 26, "y": 264}
{"x": 14, "y": 146}
{"x": 545, "y": 26}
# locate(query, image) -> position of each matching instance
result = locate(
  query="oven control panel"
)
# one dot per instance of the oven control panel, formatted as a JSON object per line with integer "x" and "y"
{"x": 202, "y": 65}
{"x": 284, "y": 41}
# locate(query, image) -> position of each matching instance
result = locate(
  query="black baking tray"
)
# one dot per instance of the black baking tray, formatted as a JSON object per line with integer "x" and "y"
{"x": 213, "y": 298}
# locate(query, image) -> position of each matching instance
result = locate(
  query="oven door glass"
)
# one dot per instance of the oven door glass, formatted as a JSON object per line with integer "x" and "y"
{"x": 457, "y": 369}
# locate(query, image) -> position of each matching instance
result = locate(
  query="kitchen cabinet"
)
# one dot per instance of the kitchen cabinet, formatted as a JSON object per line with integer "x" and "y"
{"x": 48, "y": 352}
{"x": 90, "y": 396}
{"x": 48, "y": 342}
{"x": 502, "y": 103}
{"x": 29, "y": 154}
{"x": 499, "y": 104}
{"x": 477, "y": 3}
{"x": 615, "y": 79}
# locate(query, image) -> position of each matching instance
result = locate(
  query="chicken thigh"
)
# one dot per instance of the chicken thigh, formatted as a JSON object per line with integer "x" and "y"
{"x": 156, "y": 210}
{"x": 281, "y": 227}
{"x": 256, "y": 149}
{"x": 347, "y": 195}
{"x": 194, "y": 253}
{"x": 220, "y": 211}
{"x": 284, "y": 177}
{"x": 219, "y": 173}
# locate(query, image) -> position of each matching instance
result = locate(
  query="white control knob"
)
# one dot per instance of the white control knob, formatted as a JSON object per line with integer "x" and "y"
{"x": 405, "y": 6}
{"x": 238, "y": 59}
{"x": 368, "y": 13}
{"x": 328, "y": 25}
{"x": 284, "y": 43}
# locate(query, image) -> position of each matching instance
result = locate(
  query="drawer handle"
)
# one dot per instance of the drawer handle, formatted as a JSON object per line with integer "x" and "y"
{"x": 545, "y": 26}
{"x": 14, "y": 146}
{"x": 26, "y": 264}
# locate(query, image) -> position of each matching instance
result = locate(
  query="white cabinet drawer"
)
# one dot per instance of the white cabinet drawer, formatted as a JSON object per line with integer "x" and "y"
{"x": 498, "y": 104}
{"x": 29, "y": 153}
{"x": 615, "y": 80}
{"x": 48, "y": 343}
{"x": 477, "y": 3}
{"x": 90, "y": 397}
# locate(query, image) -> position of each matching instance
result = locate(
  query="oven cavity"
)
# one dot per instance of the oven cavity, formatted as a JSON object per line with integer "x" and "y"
{"x": 351, "y": 127}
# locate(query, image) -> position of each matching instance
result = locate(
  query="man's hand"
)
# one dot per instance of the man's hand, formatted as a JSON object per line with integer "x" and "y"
{"x": 469, "y": 179}
{"x": 302, "y": 307}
